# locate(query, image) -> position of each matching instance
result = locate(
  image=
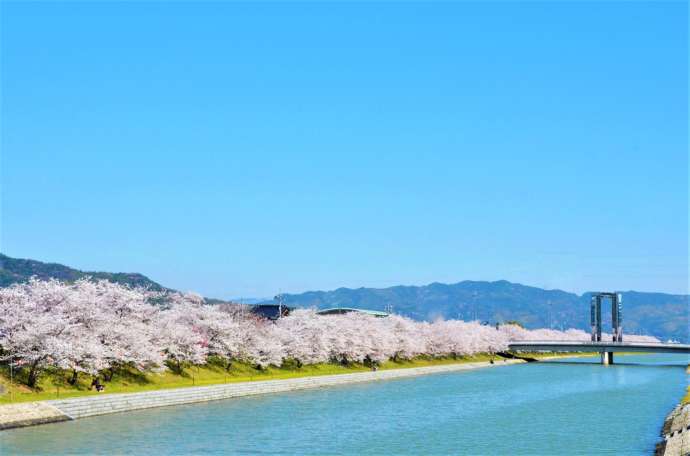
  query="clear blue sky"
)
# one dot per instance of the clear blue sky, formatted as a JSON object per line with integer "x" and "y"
{"x": 246, "y": 149}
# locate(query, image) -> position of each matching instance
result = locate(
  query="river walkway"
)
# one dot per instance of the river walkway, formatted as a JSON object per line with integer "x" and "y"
{"x": 33, "y": 413}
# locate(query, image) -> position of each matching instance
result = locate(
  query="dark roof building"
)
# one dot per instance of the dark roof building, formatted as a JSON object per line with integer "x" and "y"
{"x": 270, "y": 311}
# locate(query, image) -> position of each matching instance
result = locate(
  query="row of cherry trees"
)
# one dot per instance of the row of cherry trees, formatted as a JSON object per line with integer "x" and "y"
{"x": 97, "y": 327}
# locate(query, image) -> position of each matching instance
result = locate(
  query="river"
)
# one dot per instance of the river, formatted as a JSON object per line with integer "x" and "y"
{"x": 558, "y": 407}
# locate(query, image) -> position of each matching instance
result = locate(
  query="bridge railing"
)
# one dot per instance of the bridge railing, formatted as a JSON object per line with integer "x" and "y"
{"x": 589, "y": 342}
{"x": 602, "y": 345}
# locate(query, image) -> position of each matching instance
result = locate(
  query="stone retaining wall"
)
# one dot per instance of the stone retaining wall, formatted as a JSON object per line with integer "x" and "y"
{"x": 676, "y": 433}
{"x": 113, "y": 403}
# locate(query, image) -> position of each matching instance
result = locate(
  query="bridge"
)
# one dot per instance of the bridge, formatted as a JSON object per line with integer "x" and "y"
{"x": 605, "y": 348}
{"x": 597, "y": 345}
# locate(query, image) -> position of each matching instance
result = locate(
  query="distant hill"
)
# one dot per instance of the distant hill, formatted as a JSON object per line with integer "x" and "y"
{"x": 662, "y": 315}
{"x": 17, "y": 270}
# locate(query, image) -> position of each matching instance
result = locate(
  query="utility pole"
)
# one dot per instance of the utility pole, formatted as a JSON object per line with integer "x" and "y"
{"x": 474, "y": 304}
{"x": 550, "y": 314}
{"x": 280, "y": 305}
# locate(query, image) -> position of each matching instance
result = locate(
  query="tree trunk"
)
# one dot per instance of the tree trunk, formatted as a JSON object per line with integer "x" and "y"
{"x": 73, "y": 380}
{"x": 108, "y": 375}
{"x": 33, "y": 375}
{"x": 228, "y": 366}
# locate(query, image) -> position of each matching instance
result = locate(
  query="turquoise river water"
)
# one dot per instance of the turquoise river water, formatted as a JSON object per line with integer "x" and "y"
{"x": 548, "y": 408}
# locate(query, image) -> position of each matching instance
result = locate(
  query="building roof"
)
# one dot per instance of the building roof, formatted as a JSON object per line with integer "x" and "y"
{"x": 270, "y": 311}
{"x": 344, "y": 310}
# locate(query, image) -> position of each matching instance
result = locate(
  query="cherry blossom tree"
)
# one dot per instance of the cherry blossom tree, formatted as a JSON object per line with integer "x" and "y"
{"x": 85, "y": 327}
{"x": 303, "y": 334}
{"x": 408, "y": 337}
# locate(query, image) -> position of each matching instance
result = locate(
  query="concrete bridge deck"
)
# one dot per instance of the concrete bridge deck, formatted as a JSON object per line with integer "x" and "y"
{"x": 601, "y": 347}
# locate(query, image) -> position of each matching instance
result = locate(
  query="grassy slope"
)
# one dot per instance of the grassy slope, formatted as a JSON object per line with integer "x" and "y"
{"x": 54, "y": 384}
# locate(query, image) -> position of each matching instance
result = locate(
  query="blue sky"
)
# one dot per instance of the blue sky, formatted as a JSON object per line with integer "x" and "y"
{"x": 245, "y": 149}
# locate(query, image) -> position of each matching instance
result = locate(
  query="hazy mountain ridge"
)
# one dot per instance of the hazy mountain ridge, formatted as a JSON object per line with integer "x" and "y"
{"x": 659, "y": 314}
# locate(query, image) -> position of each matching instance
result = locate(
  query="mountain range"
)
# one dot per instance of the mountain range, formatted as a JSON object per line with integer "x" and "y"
{"x": 658, "y": 314}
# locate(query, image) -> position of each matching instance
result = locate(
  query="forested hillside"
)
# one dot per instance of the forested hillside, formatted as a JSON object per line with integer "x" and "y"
{"x": 17, "y": 270}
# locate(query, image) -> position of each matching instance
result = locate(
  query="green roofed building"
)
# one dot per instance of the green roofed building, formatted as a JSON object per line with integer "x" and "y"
{"x": 344, "y": 310}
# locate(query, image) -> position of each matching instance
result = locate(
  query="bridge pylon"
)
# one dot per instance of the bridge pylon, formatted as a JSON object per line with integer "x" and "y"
{"x": 616, "y": 320}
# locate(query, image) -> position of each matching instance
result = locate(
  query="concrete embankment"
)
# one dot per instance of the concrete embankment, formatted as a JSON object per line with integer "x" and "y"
{"x": 676, "y": 433}
{"x": 28, "y": 414}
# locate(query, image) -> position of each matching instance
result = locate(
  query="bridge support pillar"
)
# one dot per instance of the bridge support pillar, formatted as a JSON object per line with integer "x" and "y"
{"x": 606, "y": 358}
